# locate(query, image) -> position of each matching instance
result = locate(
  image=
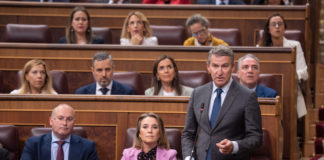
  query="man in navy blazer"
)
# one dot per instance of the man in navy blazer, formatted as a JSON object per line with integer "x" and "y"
{"x": 219, "y": 2}
{"x": 46, "y": 147}
{"x": 103, "y": 70}
{"x": 248, "y": 72}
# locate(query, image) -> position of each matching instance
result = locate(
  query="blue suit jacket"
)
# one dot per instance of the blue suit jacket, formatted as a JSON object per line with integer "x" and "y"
{"x": 237, "y": 2}
{"x": 94, "y": 40}
{"x": 39, "y": 148}
{"x": 263, "y": 91}
{"x": 117, "y": 89}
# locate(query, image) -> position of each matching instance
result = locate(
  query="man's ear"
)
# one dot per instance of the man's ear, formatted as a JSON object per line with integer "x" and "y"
{"x": 207, "y": 66}
{"x": 50, "y": 120}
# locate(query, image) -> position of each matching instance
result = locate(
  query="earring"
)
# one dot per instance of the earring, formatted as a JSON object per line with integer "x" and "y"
{"x": 72, "y": 30}
{"x": 88, "y": 30}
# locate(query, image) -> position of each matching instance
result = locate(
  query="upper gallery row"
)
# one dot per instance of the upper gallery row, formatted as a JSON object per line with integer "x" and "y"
{"x": 137, "y": 30}
{"x": 174, "y": 2}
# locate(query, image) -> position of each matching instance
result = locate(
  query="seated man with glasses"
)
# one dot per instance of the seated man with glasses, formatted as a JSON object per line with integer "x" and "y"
{"x": 197, "y": 25}
{"x": 60, "y": 144}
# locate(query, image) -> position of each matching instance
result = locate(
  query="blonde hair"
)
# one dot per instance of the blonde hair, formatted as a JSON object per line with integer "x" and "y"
{"x": 163, "y": 141}
{"x": 25, "y": 87}
{"x": 141, "y": 16}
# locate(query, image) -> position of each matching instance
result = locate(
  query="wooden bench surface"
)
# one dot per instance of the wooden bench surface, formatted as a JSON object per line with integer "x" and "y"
{"x": 106, "y": 118}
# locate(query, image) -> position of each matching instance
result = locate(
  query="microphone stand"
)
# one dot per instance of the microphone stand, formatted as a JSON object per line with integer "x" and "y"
{"x": 196, "y": 137}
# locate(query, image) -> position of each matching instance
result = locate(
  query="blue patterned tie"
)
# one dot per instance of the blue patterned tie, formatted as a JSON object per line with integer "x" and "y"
{"x": 216, "y": 108}
{"x": 214, "y": 115}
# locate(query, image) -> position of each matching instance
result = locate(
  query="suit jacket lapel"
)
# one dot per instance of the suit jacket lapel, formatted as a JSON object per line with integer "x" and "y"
{"x": 227, "y": 103}
{"x": 114, "y": 88}
{"x": 92, "y": 89}
{"x": 160, "y": 154}
{"x": 206, "y": 101}
{"x": 74, "y": 151}
{"x": 46, "y": 147}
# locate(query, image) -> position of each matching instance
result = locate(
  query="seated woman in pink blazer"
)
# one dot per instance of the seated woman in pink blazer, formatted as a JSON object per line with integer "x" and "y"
{"x": 150, "y": 140}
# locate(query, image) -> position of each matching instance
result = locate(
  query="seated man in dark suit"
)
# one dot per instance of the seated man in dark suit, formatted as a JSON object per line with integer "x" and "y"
{"x": 221, "y": 2}
{"x": 248, "y": 72}
{"x": 60, "y": 144}
{"x": 103, "y": 70}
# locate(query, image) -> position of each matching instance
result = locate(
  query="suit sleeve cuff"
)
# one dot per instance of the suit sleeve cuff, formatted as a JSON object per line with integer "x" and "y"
{"x": 188, "y": 158}
{"x": 235, "y": 147}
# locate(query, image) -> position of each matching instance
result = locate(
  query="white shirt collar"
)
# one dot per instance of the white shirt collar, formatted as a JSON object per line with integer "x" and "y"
{"x": 55, "y": 139}
{"x": 218, "y": 2}
{"x": 98, "y": 92}
{"x": 225, "y": 88}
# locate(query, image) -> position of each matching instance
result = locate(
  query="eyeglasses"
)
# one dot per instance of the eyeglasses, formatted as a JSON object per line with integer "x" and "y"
{"x": 195, "y": 34}
{"x": 274, "y": 24}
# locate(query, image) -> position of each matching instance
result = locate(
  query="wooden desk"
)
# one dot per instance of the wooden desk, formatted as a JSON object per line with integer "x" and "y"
{"x": 106, "y": 118}
{"x": 248, "y": 18}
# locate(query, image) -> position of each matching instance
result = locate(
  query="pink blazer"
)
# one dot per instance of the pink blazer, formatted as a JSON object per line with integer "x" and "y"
{"x": 161, "y": 154}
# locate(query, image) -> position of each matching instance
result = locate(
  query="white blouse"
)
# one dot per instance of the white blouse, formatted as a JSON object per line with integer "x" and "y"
{"x": 148, "y": 41}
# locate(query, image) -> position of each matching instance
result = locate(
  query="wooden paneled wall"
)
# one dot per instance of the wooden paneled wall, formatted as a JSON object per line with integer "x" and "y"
{"x": 106, "y": 118}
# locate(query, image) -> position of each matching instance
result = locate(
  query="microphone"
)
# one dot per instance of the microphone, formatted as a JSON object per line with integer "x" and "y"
{"x": 202, "y": 107}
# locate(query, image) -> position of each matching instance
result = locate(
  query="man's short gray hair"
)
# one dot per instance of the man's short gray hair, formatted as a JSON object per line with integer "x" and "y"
{"x": 100, "y": 56}
{"x": 197, "y": 18}
{"x": 219, "y": 51}
{"x": 248, "y": 56}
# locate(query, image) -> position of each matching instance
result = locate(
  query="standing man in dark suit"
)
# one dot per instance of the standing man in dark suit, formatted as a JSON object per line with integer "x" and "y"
{"x": 103, "y": 70}
{"x": 60, "y": 144}
{"x": 221, "y": 2}
{"x": 248, "y": 72}
{"x": 227, "y": 114}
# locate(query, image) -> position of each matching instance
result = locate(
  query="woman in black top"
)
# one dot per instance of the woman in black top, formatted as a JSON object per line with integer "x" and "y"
{"x": 79, "y": 30}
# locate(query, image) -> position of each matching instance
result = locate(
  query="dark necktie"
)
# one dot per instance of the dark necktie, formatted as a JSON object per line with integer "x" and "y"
{"x": 60, "y": 153}
{"x": 222, "y": 2}
{"x": 214, "y": 115}
{"x": 104, "y": 90}
{"x": 216, "y": 108}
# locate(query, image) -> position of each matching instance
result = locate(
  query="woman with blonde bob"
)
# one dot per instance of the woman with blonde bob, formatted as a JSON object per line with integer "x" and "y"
{"x": 35, "y": 79}
{"x": 137, "y": 31}
{"x": 150, "y": 140}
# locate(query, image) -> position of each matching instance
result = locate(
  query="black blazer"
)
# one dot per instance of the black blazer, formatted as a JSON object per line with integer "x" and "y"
{"x": 94, "y": 40}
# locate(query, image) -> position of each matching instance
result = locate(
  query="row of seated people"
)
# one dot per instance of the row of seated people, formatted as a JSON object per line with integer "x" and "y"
{"x": 79, "y": 31}
{"x": 169, "y": 139}
{"x": 167, "y": 80}
{"x": 215, "y": 2}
